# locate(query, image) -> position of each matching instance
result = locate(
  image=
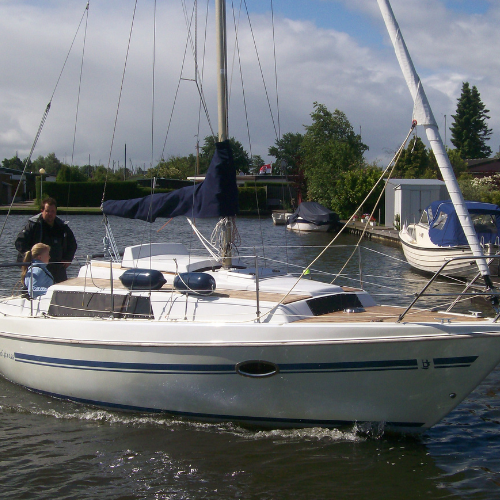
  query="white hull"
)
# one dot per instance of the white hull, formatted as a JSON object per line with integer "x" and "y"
{"x": 422, "y": 254}
{"x": 302, "y": 226}
{"x": 406, "y": 376}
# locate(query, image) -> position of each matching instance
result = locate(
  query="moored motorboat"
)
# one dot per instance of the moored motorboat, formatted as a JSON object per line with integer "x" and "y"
{"x": 439, "y": 237}
{"x": 280, "y": 217}
{"x": 312, "y": 216}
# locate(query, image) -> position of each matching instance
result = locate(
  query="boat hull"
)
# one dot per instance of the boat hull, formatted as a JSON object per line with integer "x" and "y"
{"x": 302, "y": 226}
{"x": 408, "y": 384}
{"x": 431, "y": 259}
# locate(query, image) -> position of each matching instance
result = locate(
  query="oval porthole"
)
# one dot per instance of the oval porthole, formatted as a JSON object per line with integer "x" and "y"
{"x": 257, "y": 369}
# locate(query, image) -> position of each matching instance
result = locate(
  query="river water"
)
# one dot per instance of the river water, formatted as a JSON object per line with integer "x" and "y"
{"x": 51, "y": 449}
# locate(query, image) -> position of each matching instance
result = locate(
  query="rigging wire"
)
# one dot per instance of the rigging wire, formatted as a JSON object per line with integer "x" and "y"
{"x": 260, "y": 68}
{"x": 237, "y": 50}
{"x": 119, "y": 100}
{"x": 200, "y": 83}
{"x": 77, "y": 102}
{"x": 43, "y": 120}
{"x": 275, "y": 73}
{"x": 188, "y": 23}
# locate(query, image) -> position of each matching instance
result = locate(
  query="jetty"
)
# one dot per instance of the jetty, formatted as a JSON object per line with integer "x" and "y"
{"x": 384, "y": 234}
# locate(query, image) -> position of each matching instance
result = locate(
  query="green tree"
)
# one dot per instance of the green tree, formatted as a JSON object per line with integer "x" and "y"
{"x": 241, "y": 158}
{"x": 70, "y": 174}
{"x": 15, "y": 163}
{"x": 50, "y": 163}
{"x": 176, "y": 167}
{"x": 353, "y": 186}
{"x": 288, "y": 153}
{"x": 414, "y": 162}
{"x": 470, "y": 131}
{"x": 457, "y": 162}
{"x": 329, "y": 148}
{"x": 99, "y": 173}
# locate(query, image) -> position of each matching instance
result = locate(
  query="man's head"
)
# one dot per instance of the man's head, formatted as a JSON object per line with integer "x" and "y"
{"x": 49, "y": 210}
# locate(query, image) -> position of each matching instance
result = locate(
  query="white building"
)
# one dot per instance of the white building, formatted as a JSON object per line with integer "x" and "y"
{"x": 408, "y": 197}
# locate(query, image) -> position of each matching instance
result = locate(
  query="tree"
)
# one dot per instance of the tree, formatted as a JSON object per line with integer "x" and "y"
{"x": 288, "y": 153}
{"x": 50, "y": 163}
{"x": 240, "y": 156}
{"x": 329, "y": 148}
{"x": 15, "y": 163}
{"x": 457, "y": 162}
{"x": 176, "y": 167}
{"x": 256, "y": 162}
{"x": 353, "y": 186}
{"x": 414, "y": 162}
{"x": 470, "y": 131}
{"x": 70, "y": 174}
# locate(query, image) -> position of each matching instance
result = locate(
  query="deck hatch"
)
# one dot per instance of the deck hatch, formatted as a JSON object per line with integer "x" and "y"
{"x": 333, "y": 303}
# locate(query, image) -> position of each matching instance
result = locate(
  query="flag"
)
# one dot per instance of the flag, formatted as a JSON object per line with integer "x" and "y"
{"x": 266, "y": 169}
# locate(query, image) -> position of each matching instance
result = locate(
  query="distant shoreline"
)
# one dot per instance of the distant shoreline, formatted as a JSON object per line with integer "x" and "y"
{"x": 32, "y": 210}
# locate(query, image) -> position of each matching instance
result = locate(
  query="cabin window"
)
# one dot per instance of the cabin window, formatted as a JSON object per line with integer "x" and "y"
{"x": 98, "y": 305}
{"x": 485, "y": 223}
{"x": 424, "y": 219}
{"x": 440, "y": 221}
{"x": 333, "y": 303}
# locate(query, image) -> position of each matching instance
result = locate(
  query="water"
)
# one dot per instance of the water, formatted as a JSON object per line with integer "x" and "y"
{"x": 52, "y": 449}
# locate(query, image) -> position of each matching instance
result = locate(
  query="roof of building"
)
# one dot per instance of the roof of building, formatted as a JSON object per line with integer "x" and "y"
{"x": 415, "y": 182}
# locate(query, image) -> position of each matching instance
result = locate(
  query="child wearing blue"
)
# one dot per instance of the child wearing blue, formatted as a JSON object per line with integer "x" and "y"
{"x": 37, "y": 278}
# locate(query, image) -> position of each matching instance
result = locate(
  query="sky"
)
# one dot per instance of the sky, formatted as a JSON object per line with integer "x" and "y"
{"x": 334, "y": 52}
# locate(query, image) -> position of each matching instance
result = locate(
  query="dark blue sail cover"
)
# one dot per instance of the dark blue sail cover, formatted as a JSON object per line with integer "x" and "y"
{"x": 313, "y": 212}
{"x": 445, "y": 228}
{"x": 216, "y": 196}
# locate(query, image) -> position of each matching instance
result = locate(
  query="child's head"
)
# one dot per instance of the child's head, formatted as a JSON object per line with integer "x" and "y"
{"x": 39, "y": 251}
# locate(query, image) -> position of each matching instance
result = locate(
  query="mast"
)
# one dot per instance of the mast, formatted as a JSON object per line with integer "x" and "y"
{"x": 220, "y": 34}
{"x": 222, "y": 105}
{"x": 422, "y": 113}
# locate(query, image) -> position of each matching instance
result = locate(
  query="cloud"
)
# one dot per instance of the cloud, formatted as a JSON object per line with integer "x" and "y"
{"x": 313, "y": 64}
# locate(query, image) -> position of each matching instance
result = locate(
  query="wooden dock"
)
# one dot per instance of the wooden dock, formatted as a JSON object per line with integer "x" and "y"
{"x": 382, "y": 233}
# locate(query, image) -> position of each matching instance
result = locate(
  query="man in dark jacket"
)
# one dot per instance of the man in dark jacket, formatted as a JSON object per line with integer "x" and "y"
{"x": 47, "y": 228}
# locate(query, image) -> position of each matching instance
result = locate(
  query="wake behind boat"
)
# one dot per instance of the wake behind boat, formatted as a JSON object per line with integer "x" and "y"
{"x": 214, "y": 337}
{"x": 438, "y": 237}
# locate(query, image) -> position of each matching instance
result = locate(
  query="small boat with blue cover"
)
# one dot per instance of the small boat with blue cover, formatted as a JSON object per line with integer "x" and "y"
{"x": 439, "y": 237}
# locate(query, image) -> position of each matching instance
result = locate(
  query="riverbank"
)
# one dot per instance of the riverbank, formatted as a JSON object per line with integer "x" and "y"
{"x": 29, "y": 208}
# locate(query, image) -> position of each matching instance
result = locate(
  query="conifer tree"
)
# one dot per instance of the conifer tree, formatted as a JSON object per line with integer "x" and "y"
{"x": 470, "y": 131}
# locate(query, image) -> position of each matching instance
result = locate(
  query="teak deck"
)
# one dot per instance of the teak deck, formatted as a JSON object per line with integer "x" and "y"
{"x": 379, "y": 314}
{"x": 100, "y": 284}
{"x": 388, "y": 314}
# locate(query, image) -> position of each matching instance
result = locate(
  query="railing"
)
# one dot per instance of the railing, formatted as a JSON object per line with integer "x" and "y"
{"x": 493, "y": 293}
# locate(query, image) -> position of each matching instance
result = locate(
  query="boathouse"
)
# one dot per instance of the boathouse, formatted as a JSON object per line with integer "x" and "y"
{"x": 406, "y": 198}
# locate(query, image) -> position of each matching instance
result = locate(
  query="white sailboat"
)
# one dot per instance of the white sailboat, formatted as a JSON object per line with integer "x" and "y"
{"x": 264, "y": 348}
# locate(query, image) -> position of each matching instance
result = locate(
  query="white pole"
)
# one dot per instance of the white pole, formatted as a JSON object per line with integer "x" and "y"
{"x": 422, "y": 113}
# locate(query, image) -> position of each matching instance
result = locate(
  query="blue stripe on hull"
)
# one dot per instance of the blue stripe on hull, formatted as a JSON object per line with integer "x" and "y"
{"x": 217, "y": 369}
{"x": 456, "y": 362}
{"x": 231, "y": 418}
{"x": 228, "y": 369}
